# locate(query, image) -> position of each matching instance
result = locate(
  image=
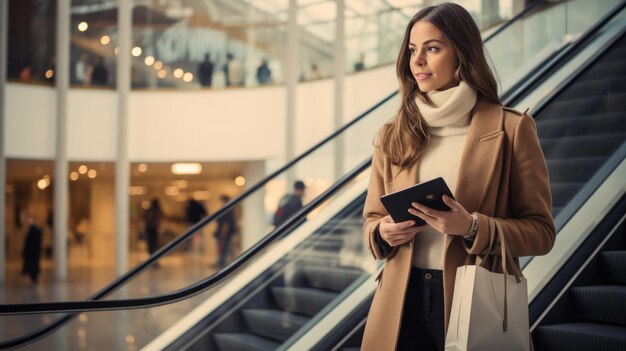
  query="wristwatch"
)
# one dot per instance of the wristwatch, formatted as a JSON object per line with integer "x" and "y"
{"x": 473, "y": 229}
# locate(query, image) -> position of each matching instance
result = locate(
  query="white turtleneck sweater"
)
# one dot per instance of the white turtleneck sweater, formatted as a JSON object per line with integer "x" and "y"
{"x": 447, "y": 120}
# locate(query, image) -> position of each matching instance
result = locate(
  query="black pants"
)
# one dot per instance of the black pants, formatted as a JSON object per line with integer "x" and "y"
{"x": 422, "y": 321}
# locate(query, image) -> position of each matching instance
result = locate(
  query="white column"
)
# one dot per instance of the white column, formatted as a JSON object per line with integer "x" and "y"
{"x": 292, "y": 73}
{"x": 340, "y": 73}
{"x": 254, "y": 224}
{"x": 61, "y": 187}
{"x": 122, "y": 165}
{"x": 4, "y": 19}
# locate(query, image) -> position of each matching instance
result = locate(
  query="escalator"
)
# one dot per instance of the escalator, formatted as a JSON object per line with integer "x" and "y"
{"x": 580, "y": 131}
{"x": 314, "y": 263}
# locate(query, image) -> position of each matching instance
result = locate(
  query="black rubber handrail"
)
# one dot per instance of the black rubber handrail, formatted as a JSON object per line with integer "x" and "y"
{"x": 193, "y": 289}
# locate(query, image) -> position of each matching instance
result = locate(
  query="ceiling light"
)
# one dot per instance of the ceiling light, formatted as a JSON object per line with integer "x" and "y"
{"x": 92, "y": 173}
{"x": 186, "y": 168}
{"x": 82, "y": 169}
{"x": 178, "y": 73}
{"x": 201, "y": 195}
{"x": 82, "y": 26}
{"x": 149, "y": 60}
{"x": 43, "y": 183}
{"x": 74, "y": 176}
{"x": 105, "y": 39}
{"x": 136, "y": 51}
{"x": 188, "y": 77}
{"x": 240, "y": 181}
{"x": 172, "y": 191}
{"x": 142, "y": 167}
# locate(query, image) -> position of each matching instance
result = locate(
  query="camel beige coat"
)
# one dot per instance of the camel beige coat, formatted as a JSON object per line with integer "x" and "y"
{"x": 502, "y": 177}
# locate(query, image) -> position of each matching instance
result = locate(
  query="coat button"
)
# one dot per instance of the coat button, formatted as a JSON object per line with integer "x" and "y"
{"x": 428, "y": 276}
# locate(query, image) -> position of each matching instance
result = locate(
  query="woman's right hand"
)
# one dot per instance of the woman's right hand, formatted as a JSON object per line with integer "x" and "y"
{"x": 396, "y": 234}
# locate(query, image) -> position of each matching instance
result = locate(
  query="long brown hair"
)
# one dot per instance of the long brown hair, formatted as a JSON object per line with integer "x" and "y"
{"x": 405, "y": 137}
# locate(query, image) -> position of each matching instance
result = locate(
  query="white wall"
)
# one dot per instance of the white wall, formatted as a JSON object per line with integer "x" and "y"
{"x": 233, "y": 124}
{"x": 30, "y": 113}
{"x": 92, "y": 124}
{"x": 177, "y": 125}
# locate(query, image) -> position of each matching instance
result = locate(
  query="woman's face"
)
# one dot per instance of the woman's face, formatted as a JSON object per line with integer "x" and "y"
{"x": 433, "y": 60}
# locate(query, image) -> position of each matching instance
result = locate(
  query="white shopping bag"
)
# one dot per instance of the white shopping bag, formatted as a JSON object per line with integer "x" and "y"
{"x": 489, "y": 310}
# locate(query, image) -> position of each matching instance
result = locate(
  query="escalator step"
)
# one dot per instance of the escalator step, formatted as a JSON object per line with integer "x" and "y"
{"x": 333, "y": 279}
{"x": 574, "y": 170}
{"x": 614, "y": 263}
{"x": 274, "y": 324}
{"x": 329, "y": 243}
{"x": 601, "y": 303}
{"x": 587, "y": 105}
{"x": 302, "y": 300}
{"x": 597, "y": 86}
{"x": 580, "y": 337}
{"x": 582, "y": 145}
{"x": 615, "y": 55}
{"x": 562, "y": 193}
{"x": 243, "y": 342}
{"x": 609, "y": 69}
{"x": 581, "y": 125}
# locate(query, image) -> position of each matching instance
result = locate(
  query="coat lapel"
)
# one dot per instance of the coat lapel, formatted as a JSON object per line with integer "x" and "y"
{"x": 480, "y": 155}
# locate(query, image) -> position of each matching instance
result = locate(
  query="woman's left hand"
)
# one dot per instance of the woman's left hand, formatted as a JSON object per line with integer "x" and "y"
{"x": 457, "y": 221}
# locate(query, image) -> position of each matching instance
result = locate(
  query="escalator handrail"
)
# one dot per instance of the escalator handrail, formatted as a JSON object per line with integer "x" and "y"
{"x": 525, "y": 86}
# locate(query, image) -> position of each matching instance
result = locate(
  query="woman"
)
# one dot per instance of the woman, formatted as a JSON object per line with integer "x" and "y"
{"x": 450, "y": 124}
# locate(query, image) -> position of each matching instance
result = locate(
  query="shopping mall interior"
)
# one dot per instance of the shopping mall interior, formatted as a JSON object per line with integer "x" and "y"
{"x": 151, "y": 145}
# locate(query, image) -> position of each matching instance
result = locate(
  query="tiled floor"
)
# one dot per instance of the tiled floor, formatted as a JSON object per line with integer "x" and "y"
{"x": 117, "y": 330}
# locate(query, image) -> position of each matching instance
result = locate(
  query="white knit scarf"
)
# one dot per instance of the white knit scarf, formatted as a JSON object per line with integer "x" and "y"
{"x": 450, "y": 112}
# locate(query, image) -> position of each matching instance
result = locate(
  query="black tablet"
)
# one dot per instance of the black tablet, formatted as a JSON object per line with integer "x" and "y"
{"x": 428, "y": 193}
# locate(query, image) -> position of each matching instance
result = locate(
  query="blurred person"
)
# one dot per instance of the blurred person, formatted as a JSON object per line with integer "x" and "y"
{"x": 26, "y": 74}
{"x": 153, "y": 217}
{"x": 100, "y": 73}
{"x": 263, "y": 73}
{"x": 315, "y": 72}
{"x": 31, "y": 253}
{"x": 234, "y": 71}
{"x": 194, "y": 213}
{"x": 290, "y": 203}
{"x": 82, "y": 70}
{"x": 205, "y": 71}
{"x": 226, "y": 228}
{"x": 360, "y": 64}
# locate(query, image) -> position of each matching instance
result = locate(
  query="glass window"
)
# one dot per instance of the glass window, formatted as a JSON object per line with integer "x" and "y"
{"x": 32, "y": 40}
{"x": 208, "y": 44}
{"x": 93, "y": 43}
